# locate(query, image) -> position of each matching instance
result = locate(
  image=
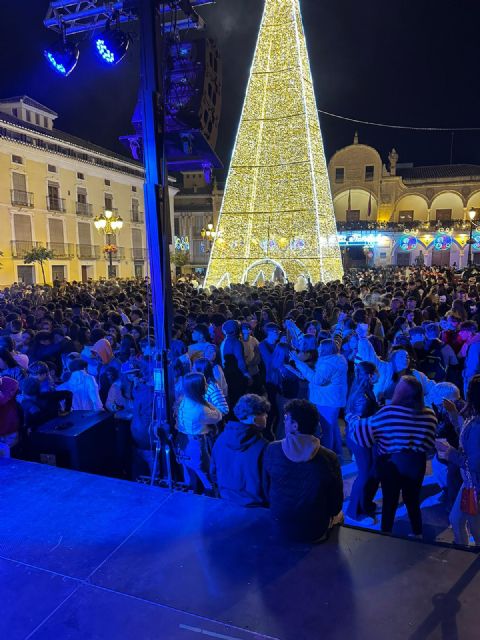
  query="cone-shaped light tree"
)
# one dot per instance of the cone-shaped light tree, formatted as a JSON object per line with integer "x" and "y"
{"x": 277, "y": 218}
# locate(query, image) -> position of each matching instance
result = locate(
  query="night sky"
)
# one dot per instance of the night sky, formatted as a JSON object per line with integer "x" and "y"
{"x": 404, "y": 62}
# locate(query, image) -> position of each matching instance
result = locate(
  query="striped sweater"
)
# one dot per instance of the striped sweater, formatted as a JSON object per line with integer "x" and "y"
{"x": 394, "y": 428}
{"x": 215, "y": 397}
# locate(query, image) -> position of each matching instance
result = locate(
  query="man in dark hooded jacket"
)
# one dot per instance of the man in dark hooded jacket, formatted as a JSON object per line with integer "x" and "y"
{"x": 302, "y": 480}
{"x": 237, "y": 455}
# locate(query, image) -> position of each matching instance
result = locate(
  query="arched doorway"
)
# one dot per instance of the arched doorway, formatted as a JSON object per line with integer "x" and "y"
{"x": 266, "y": 270}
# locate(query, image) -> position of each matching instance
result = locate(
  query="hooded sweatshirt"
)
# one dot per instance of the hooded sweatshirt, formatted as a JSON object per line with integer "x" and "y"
{"x": 303, "y": 484}
{"x": 236, "y": 464}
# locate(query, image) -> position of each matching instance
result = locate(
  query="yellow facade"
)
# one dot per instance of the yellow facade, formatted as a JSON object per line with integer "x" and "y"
{"x": 66, "y": 183}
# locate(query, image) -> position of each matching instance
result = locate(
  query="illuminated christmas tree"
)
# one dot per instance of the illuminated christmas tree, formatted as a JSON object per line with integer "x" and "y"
{"x": 277, "y": 216}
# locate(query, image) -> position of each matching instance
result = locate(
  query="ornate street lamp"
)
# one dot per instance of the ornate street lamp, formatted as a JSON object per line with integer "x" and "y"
{"x": 108, "y": 224}
{"x": 209, "y": 235}
{"x": 471, "y": 214}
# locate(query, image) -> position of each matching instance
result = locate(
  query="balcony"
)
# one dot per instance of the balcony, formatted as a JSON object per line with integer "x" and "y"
{"x": 61, "y": 250}
{"x": 21, "y": 198}
{"x": 88, "y": 252}
{"x": 56, "y": 204}
{"x": 117, "y": 256}
{"x": 21, "y": 247}
{"x": 139, "y": 254}
{"x": 84, "y": 209}
{"x": 136, "y": 216}
{"x": 400, "y": 227}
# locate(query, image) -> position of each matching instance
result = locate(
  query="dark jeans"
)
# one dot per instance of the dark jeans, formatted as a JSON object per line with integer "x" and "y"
{"x": 402, "y": 471}
{"x": 366, "y": 483}
{"x": 330, "y": 436}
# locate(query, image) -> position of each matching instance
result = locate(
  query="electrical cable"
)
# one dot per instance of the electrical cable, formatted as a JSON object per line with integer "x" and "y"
{"x": 397, "y": 126}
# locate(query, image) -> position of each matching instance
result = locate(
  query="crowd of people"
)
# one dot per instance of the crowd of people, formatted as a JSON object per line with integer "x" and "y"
{"x": 275, "y": 387}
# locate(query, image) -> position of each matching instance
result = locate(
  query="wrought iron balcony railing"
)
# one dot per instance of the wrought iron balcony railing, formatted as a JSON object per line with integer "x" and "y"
{"x": 139, "y": 254}
{"x": 22, "y": 198}
{"x": 20, "y": 248}
{"x": 61, "y": 249}
{"x": 88, "y": 252}
{"x": 136, "y": 216}
{"x": 84, "y": 209}
{"x": 56, "y": 204}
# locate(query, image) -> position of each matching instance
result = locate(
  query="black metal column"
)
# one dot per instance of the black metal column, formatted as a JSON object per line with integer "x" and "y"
{"x": 157, "y": 213}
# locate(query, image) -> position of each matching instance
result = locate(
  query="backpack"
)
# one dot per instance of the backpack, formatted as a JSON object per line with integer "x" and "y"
{"x": 430, "y": 362}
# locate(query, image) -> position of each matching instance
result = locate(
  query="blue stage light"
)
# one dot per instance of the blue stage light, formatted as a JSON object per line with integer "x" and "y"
{"x": 62, "y": 57}
{"x": 112, "y": 45}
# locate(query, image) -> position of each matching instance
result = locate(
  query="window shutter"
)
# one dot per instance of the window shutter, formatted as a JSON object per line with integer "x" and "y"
{"x": 23, "y": 227}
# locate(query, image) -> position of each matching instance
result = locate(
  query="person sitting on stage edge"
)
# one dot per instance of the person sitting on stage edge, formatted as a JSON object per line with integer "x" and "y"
{"x": 237, "y": 455}
{"x": 302, "y": 479}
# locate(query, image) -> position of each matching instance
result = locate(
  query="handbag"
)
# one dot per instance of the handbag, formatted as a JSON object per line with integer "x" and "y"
{"x": 469, "y": 499}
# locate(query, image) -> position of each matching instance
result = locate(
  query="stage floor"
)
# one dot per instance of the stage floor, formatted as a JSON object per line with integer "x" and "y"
{"x": 87, "y": 557}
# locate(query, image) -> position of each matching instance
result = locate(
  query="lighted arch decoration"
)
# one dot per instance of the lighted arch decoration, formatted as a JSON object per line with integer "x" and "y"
{"x": 408, "y": 243}
{"x": 442, "y": 242}
{"x": 267, "y": 265}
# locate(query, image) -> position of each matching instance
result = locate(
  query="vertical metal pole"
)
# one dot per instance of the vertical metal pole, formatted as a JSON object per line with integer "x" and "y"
{"x": 157, "y": 215}
{"x": 470, "y": 241}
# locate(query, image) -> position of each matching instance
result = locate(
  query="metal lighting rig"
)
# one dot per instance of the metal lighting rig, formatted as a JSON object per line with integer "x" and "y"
{"x": 156, "y": 19}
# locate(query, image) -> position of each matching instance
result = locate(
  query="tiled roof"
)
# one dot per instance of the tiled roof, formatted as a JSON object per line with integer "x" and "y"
{"x": 440, "y": 172}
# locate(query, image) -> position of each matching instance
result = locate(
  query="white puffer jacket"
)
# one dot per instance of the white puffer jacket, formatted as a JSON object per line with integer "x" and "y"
{"x": 328, "y": 381}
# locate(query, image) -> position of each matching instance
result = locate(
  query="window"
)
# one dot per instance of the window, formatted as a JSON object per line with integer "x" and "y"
{"x": 82, "y": 195}
{"x": 20, "y": 197}
{"x": 135, "y": 211}
{"x": 45, "y": 122}
{"x": 57, "y": 239}
{"x": 405, "y": 216}
{"x": 176, "y": 227}
{"x": 339, "y": 174}
{"x": 58, "y": 272}
{"x": 17, "y": 159}
{"x": 134, "y": 189}
{"x": 108, "y": 202}
{"x": 22, "y": 226}
{"x": 37, "y": 118}
{"x": 353, "y": 215}
{"x": 198, "y": 225}
{"x": 52, "y": 168}
{"x": 444, "y": 215}
{"x": 29, "y": 115}
{"x": 107, "y": 183}
{"x": 80, "y": 176}
{"x": 15, "y": 112}
{"x": 54, "y": 201}
{"x": 369, "y": 172}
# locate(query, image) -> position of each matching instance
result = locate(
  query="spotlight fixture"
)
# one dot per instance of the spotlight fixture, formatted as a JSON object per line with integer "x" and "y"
{"x": 112, "y": 44}
{"x": 62, "y": 57}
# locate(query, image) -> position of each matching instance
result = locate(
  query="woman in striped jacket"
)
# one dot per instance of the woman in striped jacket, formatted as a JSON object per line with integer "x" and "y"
{"x": 214, "y": 395}
{"x": 403, "y": 433}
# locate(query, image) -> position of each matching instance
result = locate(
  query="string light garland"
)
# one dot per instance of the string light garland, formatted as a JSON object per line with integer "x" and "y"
{"x": 277, "y": 217}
